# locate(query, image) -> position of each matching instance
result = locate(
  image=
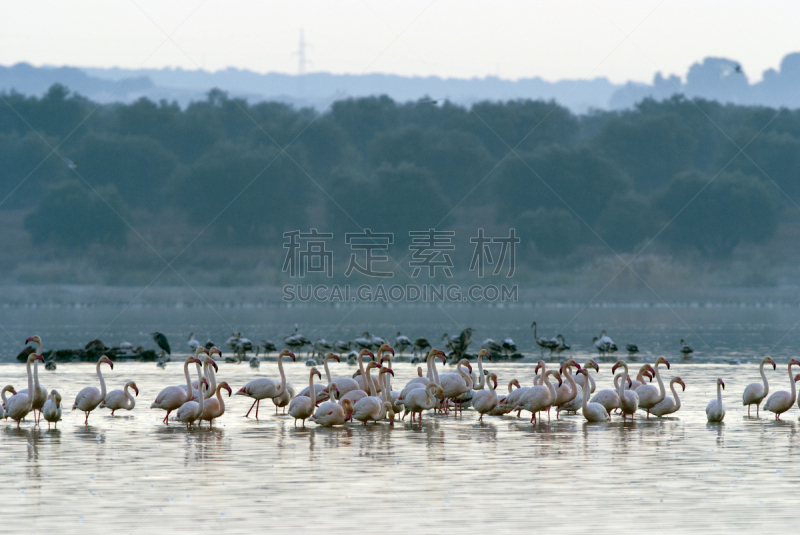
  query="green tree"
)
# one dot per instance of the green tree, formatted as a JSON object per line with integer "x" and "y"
{"x": 714, "y": 216}
{"x": 72, "y": 216}
{"x": 554, "y": 232}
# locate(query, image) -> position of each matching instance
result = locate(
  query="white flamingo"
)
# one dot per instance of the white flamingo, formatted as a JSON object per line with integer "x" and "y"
{"x": 715, "y": 410}
{"x": 120, "y": 399}
{"x": 504, "y": 408}
{"x": 40, "y": 395}
{"x": 303, "y": 407}
{"x": 215, "y": 407}
{"x": 330, "y": 413}
{"x": 52, "y": 408}
{"x": 172, "y": 397}
{"x": 580, "y": 379}
{"x": 209, "y": 367}
{"x": 670, "y": 404}
{"x": 593, "y": 412}
{"x": 782, "y": 401}
{"x": 484, "y": 401}
{"x": 649, "y": 395}
{"x": 458, "y": 383}
{"x": 193, "y": 344}
{"x": 346, "y": 384}
{"x": 7, "y": 388}
{"x": 609, "y": 398}
{"x": 191, "y": 411}
{"x": 372, "y": 407}
{"x": 264, "y": 388}
{"x": 432, "y": 375}
{"x": 628, "y": 399}
{"x": 754, "y": 393}
{"x": 567, "y": 392}
{"x": 21, "y": 404}
{"x": 90, "y": 397}
{"x": 514, "y": 397}
{"x": 540, "y": 397}
{"x": 321, "y": 390}
{"x": 422, "y": 399}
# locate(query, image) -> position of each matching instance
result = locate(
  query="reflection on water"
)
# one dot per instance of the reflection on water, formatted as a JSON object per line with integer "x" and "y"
{"x": 131, "y": 473}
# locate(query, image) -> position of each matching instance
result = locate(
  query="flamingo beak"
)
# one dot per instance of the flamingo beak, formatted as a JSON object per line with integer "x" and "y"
{"x": 667, "y": 363}
{"x": 293, "y": 357}
{"x": 30, "y": 339}
{"x": 39, "y": 357}
{"x": 229, "y": 390}
{"x": 216, "y": 368}
{"x": 683, "y": 385}
{"x": 336, "y": 357}
{"x": 495, "y": 382}
{"x": 722, "y": 383}
{"x": 390, "y": 371}
{"x": 614, "y": 368}
{"x": 371, "y": 354}
{"x": 391, "y": 351}
{"x": 197, "y": 361}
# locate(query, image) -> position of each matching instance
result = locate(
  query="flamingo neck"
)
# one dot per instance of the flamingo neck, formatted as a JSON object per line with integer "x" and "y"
{"x": 282, "y": 388}
{"x": 573, "y": 388}
{"x": 3, "y": 393}
{"x": 591, "y": 382}
{"x": 624, "y": 379}
{"x": 128, "y": 395}
{"x": 550, "y": 387}
{"x": 102, "y": 382}
{"x": 368, "y": 382}
{"x": 764, "y": 378}
{"x": 327, "y": 371}
{"x": 188, "y": 379}
{"x": 467, "y": 378}
{"x": 481, "y": 378}
{"x": 791, "y": 381}
{"x": 661, "y": 390}
{"x": 430, "y": 400}
{"x": 430, "y": 367}
{"x": 586, "y": 394}
{"x": 435, "y": 371}
{"x": 510, "y": 386}
{"x": 675, "y": 395}
{"x": 212, "y": 380}
{"x": 36, "y": 372}
{"x": 220, "y": 399}
{"x": 719, "y": 394}
{"x": 542, "y": 367}
{"x": 31, "y": 392}
{"x": 312, "y": 391}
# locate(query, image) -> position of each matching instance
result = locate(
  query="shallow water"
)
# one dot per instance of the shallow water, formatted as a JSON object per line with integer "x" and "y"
{"x": 133, "y": 474}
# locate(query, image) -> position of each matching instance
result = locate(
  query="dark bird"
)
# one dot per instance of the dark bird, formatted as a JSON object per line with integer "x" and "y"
{"x": 161, "y": 341}
{"x": 685, "y": 348}
{"x": 543, "y": 343}
{"x": 267, "y": 345}
{"x": 632, "y": 349}
{"x": 401, "y": 343}
{"x": 509, "y": 345}
{"x": 420, "y": 345}
{"x": 491, "y": 346}
{"x": 562, "y": 345}
{"x": 341, "y": 346}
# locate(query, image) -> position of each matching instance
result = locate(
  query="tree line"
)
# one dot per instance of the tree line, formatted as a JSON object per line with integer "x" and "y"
{"x": 571, "y": 185}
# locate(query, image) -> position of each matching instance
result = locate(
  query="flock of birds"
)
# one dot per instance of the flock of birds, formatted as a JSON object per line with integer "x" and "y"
{"x": 365, "y": 398}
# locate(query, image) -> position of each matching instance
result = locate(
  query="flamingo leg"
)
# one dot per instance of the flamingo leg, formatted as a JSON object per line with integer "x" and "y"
{"x": 86, "y": 421}
{"x": 748, "y": 410}
{"x": 258, "y": 403}
{"x": 481, "y": 418}
{"x": 251, "y": 408}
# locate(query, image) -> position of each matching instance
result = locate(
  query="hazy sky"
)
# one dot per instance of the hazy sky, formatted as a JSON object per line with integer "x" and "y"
{"x": 554, "y": 40}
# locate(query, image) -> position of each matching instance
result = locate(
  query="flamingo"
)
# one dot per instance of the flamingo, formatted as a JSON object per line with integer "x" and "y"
{"x": 539, "y": 397}
{"x": 514, "y": 397}
{"x": 504, "y": 408}
{"x": 172, "y": 397}
{"x": 650, "y": 396}
{"x": 420, "y": 345}
{"x": 120, "y": 399}
{"x": 628, "y": 399}
{"x": 208, "y": 373}
{"x": 40, "y": 392}
{"x": 358, "y": 394}
{"x": 609, "y": 398}
{"x": 346, "y": 384}
{"x": 580, "y": 379}
{"x": 491, "y": 346}
{"x": 754, "y": 393}
{"x": 90, "y": 397}
{"x": 192, "y": 411}
{"x": 593, "y": 412}
{"x": 644, "y": 371}
{"x": 432, "y": 376}
{"x": 392, "y": 396}
{"x": 21, "y": 404}
{"x": 52, "y": 408}
{"x": 715, "y": 410}
{"x": 360, "y": 378}
{"x": 372, "y": 407}
{"x": 331, "y": 413}
{"x": 215, "y": 407}
{"x": 562, "y": 345}
{"x": 322, "y": 390}
{"x": 782, "y": 401}
{"x": 422, "y": 399}
{"x": 302, "y": 407}
{"x": 264, "y": 388}
{"x": 7, "y": 388}
{"x": 484, "y": 401}
{"x": 457, "y": 384}
{"x": 568, "y": 392}
{"x": 670, "y": 404}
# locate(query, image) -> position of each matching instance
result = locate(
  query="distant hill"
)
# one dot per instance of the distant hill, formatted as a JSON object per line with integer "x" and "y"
{"x": 714, "y": 78}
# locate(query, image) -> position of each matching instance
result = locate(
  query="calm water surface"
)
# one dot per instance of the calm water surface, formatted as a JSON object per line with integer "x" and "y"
{"x": 451, "y": 475}
{"x": 132, "y": 474}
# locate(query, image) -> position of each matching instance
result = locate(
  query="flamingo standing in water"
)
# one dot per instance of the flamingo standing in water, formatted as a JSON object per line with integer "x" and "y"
{"x": 192, "y": 411}
{"x": 215, "y": 407}
{"x": 172, "y": 397}
{"x": 331, "y": 413}
{"x": 650, "y": 396}
{"x": 420, "y": 399}
{"x": 593, "y": 412}
{"x": 670, "y": 404}
{"x": 52, "y": 408}
{"x": 264, "y": 388}
{"x": 40, "y": 392}
{"x": 303, "y": 407}
{"x": 21, "y": 404}
{"x": 484, "y": 401}
{"x": 628, "y": 399}
{"x": 7, "y": 388}
{"x": 90, "y": 397}
{"x": 782, "y": 401}
{"x": 754, "y": 393}
{"x": 120, "y": 399}
{"x": 715, "y": 410}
